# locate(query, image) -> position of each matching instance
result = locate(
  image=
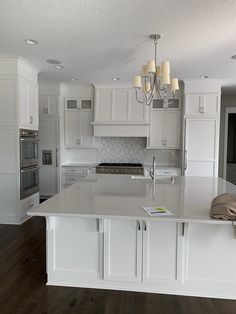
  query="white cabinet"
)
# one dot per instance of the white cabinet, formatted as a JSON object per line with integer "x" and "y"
{"x": 122, "y": 250}
{"x": 78, "y": 129}
{"x": 28, "y": 104}
{"x": 70, "y": 260}
{"x": 118, "y": 104}
{"x": 202, "y": 104}
{"x": 161, "y": 252}
{"x": 85, "y": 104}
{"x": 71, "y": 174}
{"x": 170, "y": 104}
{"x": 118, "y": 114}
{"x": 164, "y": 129}
{"x": 139, "y": 251}
{"x": 48, "y": 105}
{"x": 28, "y": 203}
{"x": 201, "y": 146}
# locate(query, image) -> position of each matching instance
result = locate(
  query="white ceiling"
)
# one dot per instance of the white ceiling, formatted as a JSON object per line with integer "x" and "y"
{"x": 98, "y": 40}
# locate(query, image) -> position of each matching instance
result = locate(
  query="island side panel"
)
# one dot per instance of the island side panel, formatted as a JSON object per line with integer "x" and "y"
{"x": 74, "y": 250}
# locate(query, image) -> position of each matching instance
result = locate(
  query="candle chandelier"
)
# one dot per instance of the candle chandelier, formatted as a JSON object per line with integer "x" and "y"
{"x": 155, "y": 80}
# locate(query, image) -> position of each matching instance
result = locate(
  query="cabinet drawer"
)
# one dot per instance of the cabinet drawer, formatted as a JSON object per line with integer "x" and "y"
{"x": 28, "y": 203}
{"x": 75, "y": 170}
{"x": 168, "y": 172}
{"x": 70, "y": 179}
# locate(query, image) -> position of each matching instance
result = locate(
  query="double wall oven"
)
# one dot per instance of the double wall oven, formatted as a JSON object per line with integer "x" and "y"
{"x": 29, "y": 162}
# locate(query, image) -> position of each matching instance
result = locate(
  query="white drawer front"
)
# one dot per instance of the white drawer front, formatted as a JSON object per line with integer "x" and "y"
{"x": 29, "y": 203}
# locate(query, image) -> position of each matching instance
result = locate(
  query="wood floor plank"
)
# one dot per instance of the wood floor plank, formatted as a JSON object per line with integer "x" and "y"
{"x": 23, "y": 287}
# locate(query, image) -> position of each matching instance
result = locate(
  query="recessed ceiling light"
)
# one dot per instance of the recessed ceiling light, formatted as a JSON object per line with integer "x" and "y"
{"x": 233, "y": 57}
{"x": 31, "y": 42}
{"x": 52, "y": 61}
{"x": 115, "y": 79}
{"x": 74, "y": 79}
{"x": 59, "y": 66}
{"x": 204, "y": 76}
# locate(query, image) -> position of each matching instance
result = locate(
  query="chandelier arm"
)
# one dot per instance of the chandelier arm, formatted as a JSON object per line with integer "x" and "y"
{"x": 136, "y": 94}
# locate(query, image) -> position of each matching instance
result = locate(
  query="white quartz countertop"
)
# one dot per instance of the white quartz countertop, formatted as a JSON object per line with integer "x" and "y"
{"x": 120, "y": 196}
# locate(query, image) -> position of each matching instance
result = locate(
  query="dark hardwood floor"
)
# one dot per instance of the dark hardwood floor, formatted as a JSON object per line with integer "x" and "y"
{"x": 23, "y": 287}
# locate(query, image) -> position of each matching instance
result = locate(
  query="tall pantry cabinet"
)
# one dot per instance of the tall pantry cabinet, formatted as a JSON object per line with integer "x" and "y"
{"x": 201, "y": 127}
{"x": 18, "y": 109}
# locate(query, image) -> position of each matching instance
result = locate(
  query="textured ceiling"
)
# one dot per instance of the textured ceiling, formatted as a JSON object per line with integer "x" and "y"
{"x": 98, "y": 40}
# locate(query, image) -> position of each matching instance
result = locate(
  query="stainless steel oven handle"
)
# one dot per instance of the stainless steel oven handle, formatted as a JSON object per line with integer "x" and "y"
{"x": 25, "y": 139}
{"x": 29, "y": 169}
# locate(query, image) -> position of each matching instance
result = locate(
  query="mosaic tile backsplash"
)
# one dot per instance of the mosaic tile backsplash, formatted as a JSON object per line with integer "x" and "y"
{"x": 123, "y": 149}
{"x": 120, "y": 149}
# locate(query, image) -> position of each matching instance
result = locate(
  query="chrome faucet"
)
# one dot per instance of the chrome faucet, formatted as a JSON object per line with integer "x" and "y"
{"x": 152, "y": 171}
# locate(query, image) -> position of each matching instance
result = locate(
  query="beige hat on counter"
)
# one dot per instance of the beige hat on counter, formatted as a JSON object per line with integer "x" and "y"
{"x": 224, "y": 207}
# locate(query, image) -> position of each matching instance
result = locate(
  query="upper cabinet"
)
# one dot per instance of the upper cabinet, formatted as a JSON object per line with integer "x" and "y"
{"x": 207, "y": 104}
{"x": 165, "y": 124}
{"x": 78, "y": 123}
{"x": 48, "y": 105}
{"x": 28, "y": 104}
{"x": 118, "y": 105}
{"x": 85, "y": 104}
{"x": 117, "y": 113}
{"x": 171, "y": 104}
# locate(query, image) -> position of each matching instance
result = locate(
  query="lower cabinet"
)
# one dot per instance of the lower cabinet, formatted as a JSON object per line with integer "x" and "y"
{"x": 74, "y": 249}
{"x": 141, "y": 251}
{"x": 122, "y": 250}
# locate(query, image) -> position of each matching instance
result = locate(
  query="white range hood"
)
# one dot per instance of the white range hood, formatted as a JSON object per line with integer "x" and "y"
{"x": 118, "y": 114}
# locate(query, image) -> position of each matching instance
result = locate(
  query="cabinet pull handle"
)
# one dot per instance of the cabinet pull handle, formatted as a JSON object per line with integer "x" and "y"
{"x": 203, "y": 109}
{"x": 31, "y": 119}
{"x": 56, "y": 157}
{"x": 144, "y": 225}
{"x": 138, "y": 225}
{"x": 183, "y": 229}
{"x": 31, "y": 205}
{"x": 185, "y": 159}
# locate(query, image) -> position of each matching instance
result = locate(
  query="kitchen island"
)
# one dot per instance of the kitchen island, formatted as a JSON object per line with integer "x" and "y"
{"x": 99, "y": 236}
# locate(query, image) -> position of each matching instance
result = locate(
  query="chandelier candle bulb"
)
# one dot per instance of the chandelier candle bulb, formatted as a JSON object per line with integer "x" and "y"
{"x": 147, "y": 86}
{"x": 151, "y": 66}
{"x": 137, "y": 81}
{"x": 165, "y": 67}
{"x": 165, "y": 78}
{"x": 144, "y": 70}
{"x": 174, "y": 84}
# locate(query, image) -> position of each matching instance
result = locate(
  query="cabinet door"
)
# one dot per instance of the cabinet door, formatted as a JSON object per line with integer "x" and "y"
{"x": 42, "y": 105}
{"x": 72, "y": 134}
{"x": 193, "y": 104}
{"x": 86, "y": 128}
{"x": 160, "y": 246}
{"x": 201, "y": 146}
{"x": 211, "y": 104}
{"x": 103, "y": 104}
{"x": 86, "y": 104}
{"x": 71, "y": 104}
{"x": 33, "y": 106}
{"x": 122, "y": 250}
{"x": 69, "y": 259}
{"x": 24, "y": 103}
{"x": 157, "y": 122}
{"x": 211, "y": 255}
{"x": 172, "y": 129}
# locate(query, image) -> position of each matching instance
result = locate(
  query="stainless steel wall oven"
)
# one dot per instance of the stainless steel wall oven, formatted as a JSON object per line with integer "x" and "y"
{"x": 29, "y": 160}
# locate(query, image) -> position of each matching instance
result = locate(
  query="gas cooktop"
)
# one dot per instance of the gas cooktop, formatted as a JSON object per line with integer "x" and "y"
{"x": 120, "y": 168}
